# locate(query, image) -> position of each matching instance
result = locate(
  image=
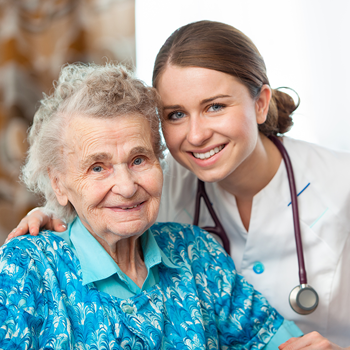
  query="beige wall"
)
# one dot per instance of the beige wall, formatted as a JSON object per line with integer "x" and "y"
{"x": 36, "y": 38}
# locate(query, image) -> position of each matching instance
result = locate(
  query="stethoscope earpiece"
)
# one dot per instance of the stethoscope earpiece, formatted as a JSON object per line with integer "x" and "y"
{"x": 303, "y": 299}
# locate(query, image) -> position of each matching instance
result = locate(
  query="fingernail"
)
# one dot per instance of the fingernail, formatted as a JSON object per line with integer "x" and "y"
{"x": 64, "y": 226}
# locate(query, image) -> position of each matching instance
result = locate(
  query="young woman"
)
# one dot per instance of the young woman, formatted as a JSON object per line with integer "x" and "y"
{"x": 218, "y": 112}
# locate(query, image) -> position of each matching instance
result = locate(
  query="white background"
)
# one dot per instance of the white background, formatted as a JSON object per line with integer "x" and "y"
{"x": 305, "y": 44}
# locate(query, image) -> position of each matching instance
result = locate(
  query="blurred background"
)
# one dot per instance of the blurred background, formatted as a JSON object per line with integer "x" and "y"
{"x": 305, "y": 45}
{"x": 36, "y": 38}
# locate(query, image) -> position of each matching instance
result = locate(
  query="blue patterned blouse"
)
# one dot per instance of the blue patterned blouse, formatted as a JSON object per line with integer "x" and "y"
{"x": 202, "y": 304}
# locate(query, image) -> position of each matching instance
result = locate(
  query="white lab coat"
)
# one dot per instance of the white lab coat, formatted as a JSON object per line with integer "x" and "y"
{"x": 324, "y": 209}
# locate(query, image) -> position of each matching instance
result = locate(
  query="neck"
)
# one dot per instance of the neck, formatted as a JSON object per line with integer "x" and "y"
{"x": 252, "y": 176}
{"x": 128, "y": 255}
{"x": 255, "y": 172}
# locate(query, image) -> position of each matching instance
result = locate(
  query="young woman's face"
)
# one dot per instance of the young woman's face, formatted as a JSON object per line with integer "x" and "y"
{"x": 210, "y": 120}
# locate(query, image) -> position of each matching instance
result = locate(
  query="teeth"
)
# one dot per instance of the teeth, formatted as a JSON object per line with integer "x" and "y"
{"x": 131, "y": 207}
{"x": 209, "y": 154}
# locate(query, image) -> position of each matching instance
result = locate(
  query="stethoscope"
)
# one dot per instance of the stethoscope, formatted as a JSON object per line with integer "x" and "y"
{"x": 303, "y": 299}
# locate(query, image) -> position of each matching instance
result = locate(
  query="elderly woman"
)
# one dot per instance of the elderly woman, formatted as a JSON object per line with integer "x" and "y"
{"x": 115, "y": 279}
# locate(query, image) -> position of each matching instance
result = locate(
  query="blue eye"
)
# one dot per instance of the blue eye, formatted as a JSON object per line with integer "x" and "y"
{"x": 215, "y": 107}
{"x": 176, "y": 115}
{"x": 97, "y": 169}
{"x": 138, "y": 161}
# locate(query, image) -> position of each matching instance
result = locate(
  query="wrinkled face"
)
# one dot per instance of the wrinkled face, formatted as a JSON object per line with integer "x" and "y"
{"x": 210, "y": 120}
{"x": 112, "y": 176}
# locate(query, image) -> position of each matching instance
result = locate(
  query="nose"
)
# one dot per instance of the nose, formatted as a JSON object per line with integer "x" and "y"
{"x": 125, "y": 184}
{"x": 199, "y": 131}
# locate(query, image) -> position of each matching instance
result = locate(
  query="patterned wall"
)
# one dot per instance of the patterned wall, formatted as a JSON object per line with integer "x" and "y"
{"x": 36, "y": 38}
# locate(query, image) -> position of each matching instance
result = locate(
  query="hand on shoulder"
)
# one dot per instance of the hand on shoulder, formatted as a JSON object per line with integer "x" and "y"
{"x": 34, "y": 221}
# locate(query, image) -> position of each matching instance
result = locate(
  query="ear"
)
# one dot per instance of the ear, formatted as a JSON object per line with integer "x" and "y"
{"x": 58, "y": 188}
{"x": 262, "y": 104}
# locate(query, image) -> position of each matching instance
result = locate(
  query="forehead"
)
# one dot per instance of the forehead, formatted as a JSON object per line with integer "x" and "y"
{"x": 86, "y": 135}
{"x": 186, "y": 82}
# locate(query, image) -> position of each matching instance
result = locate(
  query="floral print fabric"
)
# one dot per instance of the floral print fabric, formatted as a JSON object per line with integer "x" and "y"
{"x": 201, "y": 304}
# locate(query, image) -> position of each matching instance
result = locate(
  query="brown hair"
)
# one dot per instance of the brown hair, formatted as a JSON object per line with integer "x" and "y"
{"x": 223, "y": 48}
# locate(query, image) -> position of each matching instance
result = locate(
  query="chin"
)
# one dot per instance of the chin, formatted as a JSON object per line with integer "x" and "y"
{"x": 130, "y": 229}
{"x": 213, "y": 176}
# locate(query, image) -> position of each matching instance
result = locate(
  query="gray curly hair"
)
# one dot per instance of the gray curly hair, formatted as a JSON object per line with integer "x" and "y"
{"x": 89, "y": 90}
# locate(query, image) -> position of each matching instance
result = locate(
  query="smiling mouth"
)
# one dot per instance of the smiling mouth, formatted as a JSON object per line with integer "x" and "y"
{"x": 131, "y": 207}
{"x": 208, "y": 154}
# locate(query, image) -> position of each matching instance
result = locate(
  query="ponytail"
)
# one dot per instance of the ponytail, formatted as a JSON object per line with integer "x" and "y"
{"x": 279, "y": 119}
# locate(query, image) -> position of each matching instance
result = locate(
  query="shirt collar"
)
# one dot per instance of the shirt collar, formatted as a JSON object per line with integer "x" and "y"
{"x": 96, "y": 264}
{"x": 152, "y": 254}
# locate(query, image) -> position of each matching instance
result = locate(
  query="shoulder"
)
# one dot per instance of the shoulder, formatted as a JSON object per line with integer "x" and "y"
{"x": 306, "y": 153}
{"x": 34, "y": 268}
{"x": 35, "y": 253}
{"x": 34, "y": 246}
{"x": 189, "y": 243}
{"x": 36, "y": 274}
{"x": 324, "y": 206}
{"x": 327, "y": 170}
{"x": 170, "y": 231}
{"x": 25, "y": 262}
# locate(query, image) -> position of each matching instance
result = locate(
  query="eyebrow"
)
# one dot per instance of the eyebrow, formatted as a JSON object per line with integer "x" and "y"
{"x": 213, "y": 98}
{"x": 96, "y": 157}
{"x": 100, "y": 157}
{"x": 206, "y": 100}
{"x": 141, "y": 150}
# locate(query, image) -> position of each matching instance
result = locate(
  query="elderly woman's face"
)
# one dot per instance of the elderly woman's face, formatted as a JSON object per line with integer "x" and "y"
{"x": 112, "y": 176}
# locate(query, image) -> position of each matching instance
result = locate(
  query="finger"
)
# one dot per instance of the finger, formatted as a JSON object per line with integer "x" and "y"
{"x": 291, "y": 340}
{"x": 18, "y": 231}
{"x": 21, "y": 229}
{"x": 29, "y": 224}
{"x": 58, "y": 225}
{"x": 38, "y": 220}
{"x": 310, "y": 341}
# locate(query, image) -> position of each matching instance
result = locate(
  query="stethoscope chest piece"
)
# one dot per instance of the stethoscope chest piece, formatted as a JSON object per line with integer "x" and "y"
{"x": 303, "y": 299}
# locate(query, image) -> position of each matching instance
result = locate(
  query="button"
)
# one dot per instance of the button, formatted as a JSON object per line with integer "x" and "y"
{"x": 128, "y": 309}
{"x": 258, "y": 268}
